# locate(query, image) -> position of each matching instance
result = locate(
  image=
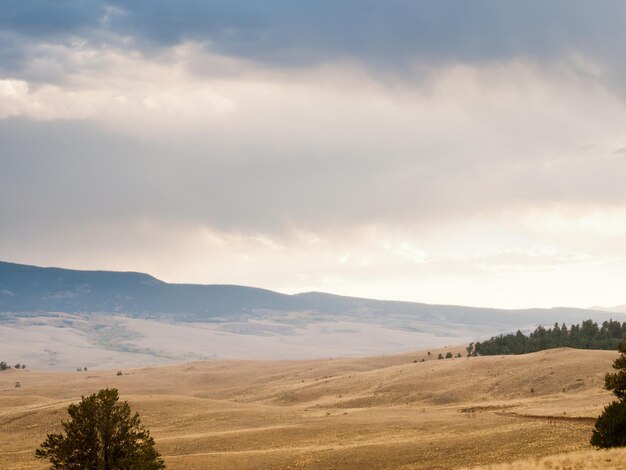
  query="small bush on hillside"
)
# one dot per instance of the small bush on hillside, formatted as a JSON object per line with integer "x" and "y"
{"x": 448, "y": 355}
{"x": 440, "y": 356}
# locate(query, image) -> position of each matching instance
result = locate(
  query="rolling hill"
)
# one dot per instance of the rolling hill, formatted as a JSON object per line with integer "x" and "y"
{"x": 374, "y": 412}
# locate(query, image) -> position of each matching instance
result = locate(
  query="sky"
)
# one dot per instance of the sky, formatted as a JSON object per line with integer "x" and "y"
{"x": 469, "y": 153}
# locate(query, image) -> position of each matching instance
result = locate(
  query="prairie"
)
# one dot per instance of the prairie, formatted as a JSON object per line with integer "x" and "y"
{"x": 372, "y": 412}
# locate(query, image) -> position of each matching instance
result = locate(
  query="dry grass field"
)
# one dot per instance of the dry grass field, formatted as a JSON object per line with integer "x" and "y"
{"x": 378, "y": 412}
{"x": 612, "y": 459}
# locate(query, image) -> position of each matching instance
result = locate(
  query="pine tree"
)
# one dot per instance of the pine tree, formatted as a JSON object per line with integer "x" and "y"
{"x": 617, "y": 381}
{"x": 102, "y": 434}
{"x": 610, "y": 427}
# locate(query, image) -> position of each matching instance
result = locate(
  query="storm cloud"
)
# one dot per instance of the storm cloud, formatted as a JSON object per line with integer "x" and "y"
{"x": 284, "y": 32}
{"x": 446, "y": 145}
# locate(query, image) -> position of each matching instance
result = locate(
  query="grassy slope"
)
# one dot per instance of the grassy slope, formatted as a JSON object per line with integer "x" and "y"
{"x": 381, "y": 412}
{"x": 612, "y": 459}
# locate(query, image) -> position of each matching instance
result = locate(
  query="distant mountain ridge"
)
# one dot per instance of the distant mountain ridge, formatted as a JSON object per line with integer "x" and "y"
{"x": 31, "y": 289}
{"x": 25, "y": 288}
{"x": 617, "y": 309}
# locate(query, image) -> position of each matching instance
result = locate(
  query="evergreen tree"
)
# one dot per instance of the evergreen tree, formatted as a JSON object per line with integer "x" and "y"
{"x": 588, "y": 335}
{"x": 102, "y": 434}
{"x": 617, "y": 381}
{"x": 610, "y": 427}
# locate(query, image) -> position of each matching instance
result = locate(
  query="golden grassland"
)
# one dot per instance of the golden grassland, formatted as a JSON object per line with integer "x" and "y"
{"x": 377, "y": 412}
{"x": 612, "y": 459}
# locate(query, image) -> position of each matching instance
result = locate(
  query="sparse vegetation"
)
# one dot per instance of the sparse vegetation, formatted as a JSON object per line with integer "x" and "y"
{"x": 101, "y": 434}
{"x": 587, "y": 335}
{"x": 5, "y": 366}
{"x": 448, "y": 355}
{"x": 440, "y": 356}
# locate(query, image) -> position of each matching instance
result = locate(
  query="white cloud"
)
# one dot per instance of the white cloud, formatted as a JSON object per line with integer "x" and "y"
{"x": 186, "y": 88}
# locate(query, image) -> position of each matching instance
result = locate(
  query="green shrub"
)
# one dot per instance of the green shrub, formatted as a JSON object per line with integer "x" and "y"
{"x": 610, "y": 428}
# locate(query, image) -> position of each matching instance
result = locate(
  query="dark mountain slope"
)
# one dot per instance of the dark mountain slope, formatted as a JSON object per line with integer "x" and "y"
{"x": 27, "y": 289}
{"x": 30, "y": 289}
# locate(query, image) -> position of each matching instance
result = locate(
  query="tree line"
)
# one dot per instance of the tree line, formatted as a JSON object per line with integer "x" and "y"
{"x": 5, "y": 366}
{"x": 587, "y": 335}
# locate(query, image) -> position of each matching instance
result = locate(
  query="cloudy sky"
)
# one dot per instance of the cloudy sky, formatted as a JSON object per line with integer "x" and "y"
{"x": 438, "y": 151}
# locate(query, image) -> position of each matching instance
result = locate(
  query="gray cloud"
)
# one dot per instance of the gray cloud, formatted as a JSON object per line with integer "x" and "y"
{"x": 49, "y": 20}
{"x": 381, "y": 34}
{"x": 75, "y": 173}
